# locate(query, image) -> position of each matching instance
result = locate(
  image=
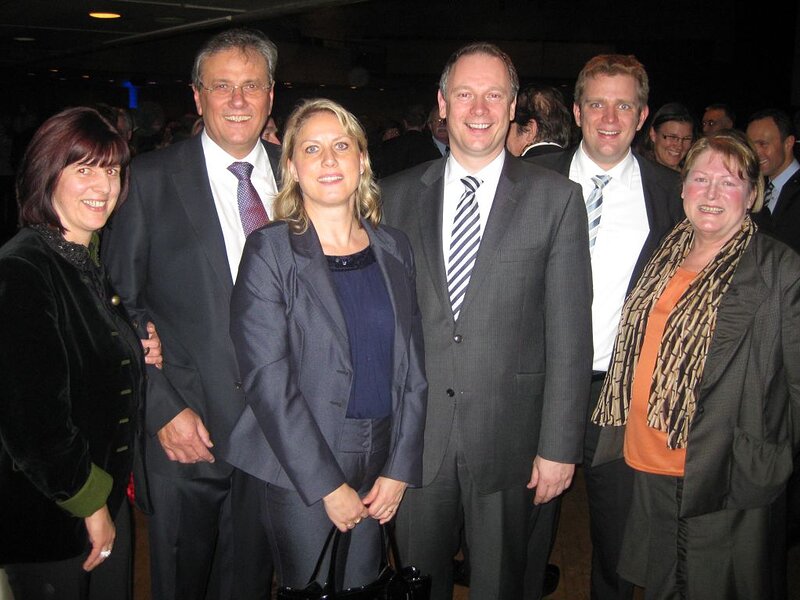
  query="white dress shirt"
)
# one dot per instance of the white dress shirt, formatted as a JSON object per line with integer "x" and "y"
{"x": 623, "y": 230}
{"x": 454, "y": 189}
{"x": 224, "y": 185}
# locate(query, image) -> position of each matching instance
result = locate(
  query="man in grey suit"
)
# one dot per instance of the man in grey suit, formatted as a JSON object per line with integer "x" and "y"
{"x": 173, "y": 254}
{"x": 504, "y": 289}
{"x": 639, "y": 203}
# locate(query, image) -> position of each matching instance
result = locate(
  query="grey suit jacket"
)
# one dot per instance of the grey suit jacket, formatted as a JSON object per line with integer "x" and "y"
{"x": 512, "y": 375}
{"x": 291, "y": 340}
{"x": 747, "y": 420}
{"x": 165, "y": 254}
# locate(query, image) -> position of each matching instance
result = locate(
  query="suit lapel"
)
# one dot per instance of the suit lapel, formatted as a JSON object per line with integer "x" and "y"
{"x": 313, "y": 272}
{"x": 274, "y": 156}
{"x": 194, "y": 192}
{"x": 789, "y": 191}
{"x": 734, "y": 317}
{"x": 429, "y": 218}
{"x": 394, "y": 275}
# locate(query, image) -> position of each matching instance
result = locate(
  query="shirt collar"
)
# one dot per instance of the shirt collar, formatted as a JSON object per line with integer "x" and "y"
{"x": 491, "y": 172}
{"x": 537, "y": 144}
{"x": 793, "y": 167}
{"x": 622, "y": 172}
{"x": 218, "y": 158}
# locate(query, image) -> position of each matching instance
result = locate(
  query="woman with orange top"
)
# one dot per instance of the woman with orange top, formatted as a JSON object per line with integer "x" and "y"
{"x": 703, "y": 394}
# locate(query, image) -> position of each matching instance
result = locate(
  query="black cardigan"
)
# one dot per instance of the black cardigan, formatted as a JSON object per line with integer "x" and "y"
{"x": 71, "y": 373}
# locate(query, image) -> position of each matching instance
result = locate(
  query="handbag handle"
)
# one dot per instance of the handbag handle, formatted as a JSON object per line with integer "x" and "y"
{"x": 327, "y": 587}
{"x": 388, "y": 544}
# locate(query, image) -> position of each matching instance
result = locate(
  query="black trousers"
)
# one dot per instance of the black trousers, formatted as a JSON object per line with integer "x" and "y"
{"x": 66, "y": 579}
{"x": 609, "y": 488}
{"x": 200, "y": 547}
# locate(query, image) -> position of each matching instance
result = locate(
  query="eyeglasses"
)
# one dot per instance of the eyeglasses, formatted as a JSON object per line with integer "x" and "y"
{"x": 674, "y": 139}
{"x": 250, "y": 89}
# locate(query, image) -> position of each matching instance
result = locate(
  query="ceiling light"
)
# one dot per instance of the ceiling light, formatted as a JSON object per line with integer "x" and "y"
{"x": 24, "y": 39}
{"x": 104, "y": 15}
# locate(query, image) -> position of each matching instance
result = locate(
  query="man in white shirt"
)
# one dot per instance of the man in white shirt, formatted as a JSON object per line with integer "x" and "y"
{"x": 771, "y": 132}
{"x": 173, "y": 252}
{"x": 503, "y": 283}
{"x": 639, "y": 204}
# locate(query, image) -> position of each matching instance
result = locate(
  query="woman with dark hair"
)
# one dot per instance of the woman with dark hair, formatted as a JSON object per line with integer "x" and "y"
{"x": 703, "y": 394}
{"x": 327, "y": 332}
{"x": 72, "y": 371}
{"x": 670, "y": 135}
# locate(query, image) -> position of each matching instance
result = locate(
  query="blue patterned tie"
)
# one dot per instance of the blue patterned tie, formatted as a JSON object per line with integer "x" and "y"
{"x": 464, "y": 242}
{"x": 251, "y": 209}
{"x": 768, "y": 193}
{"x": 594, "y": 207}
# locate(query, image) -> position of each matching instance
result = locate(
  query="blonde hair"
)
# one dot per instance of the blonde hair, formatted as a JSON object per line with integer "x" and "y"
{"x": 288, "y": 204}
{"x": 738, "y": 155}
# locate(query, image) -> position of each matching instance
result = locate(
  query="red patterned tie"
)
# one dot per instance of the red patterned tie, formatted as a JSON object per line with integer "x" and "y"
{"x": 251, "y": 210}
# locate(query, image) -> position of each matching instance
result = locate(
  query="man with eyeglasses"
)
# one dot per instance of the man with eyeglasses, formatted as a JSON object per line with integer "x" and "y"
{"x": 717, "y": 117}
{"x": 173, "y": 253}
{"x": 631, "y": 204}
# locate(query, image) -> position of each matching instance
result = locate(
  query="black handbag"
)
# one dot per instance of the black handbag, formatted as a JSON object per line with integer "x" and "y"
{"x": 393, "y": 582}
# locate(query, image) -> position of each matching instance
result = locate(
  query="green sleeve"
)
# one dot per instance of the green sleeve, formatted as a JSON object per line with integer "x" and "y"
{"x": 92, "y": 496}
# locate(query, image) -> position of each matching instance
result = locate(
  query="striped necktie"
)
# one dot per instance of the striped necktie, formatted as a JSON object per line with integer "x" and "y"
{"x": 594, "y": 207}
{"x": 251, "y": 209}
{"x": 768, "y": 190}
{"x": 464, "y": 242}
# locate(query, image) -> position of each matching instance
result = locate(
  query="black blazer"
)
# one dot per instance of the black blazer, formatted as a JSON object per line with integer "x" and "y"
{"x": 72, "y": 371}
{"x": 405, "y": 151}
{"x": 784, "y": 223}
{"x": 291, "y": 342}
{"x": 165, "y": 253}
{"x": 662, "y": 199}
{"x": 524, "y": 330}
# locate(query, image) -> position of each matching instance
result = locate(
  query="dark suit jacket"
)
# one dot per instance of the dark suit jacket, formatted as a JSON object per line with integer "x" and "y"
{"x": 784, "y": 223}
{"x": 662, "y": 199}
{"x": 407, "y": 150}
{"x": 524, "y": 330}
{"x": 72, "y": 372}
{"x": 165, "y": 253}
{"x": 747, "y": 420}
{"x": 291, "y": 340}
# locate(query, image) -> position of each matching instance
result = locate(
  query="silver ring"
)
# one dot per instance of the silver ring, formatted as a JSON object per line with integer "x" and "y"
{"x": 147, "y": 351}
{"x": 105, "y": 553}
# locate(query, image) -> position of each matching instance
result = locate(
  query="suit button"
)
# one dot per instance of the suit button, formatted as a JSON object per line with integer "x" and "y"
{"x": 457, "y": 338}
{"x": 700, "y": 410}
{"x": 115, "y": 300}
{"x": 237, "y": 385}
{"x": 450, "y": 392}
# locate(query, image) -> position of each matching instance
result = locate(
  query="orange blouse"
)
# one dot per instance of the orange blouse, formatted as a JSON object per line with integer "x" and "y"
{"x": 646, "y": 448}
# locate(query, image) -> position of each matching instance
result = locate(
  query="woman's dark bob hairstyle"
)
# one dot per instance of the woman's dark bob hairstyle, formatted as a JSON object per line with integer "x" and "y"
{"x": 75, "y": 135}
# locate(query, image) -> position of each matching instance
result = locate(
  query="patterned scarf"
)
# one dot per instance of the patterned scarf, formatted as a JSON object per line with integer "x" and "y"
{"x": 687, "y": 335}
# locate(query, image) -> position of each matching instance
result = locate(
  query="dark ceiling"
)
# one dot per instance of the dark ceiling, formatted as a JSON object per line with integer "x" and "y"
{"x": 695, "y": 50}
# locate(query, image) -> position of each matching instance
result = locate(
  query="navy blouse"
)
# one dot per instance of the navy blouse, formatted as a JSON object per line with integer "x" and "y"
{"x": 369, "y": 316}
